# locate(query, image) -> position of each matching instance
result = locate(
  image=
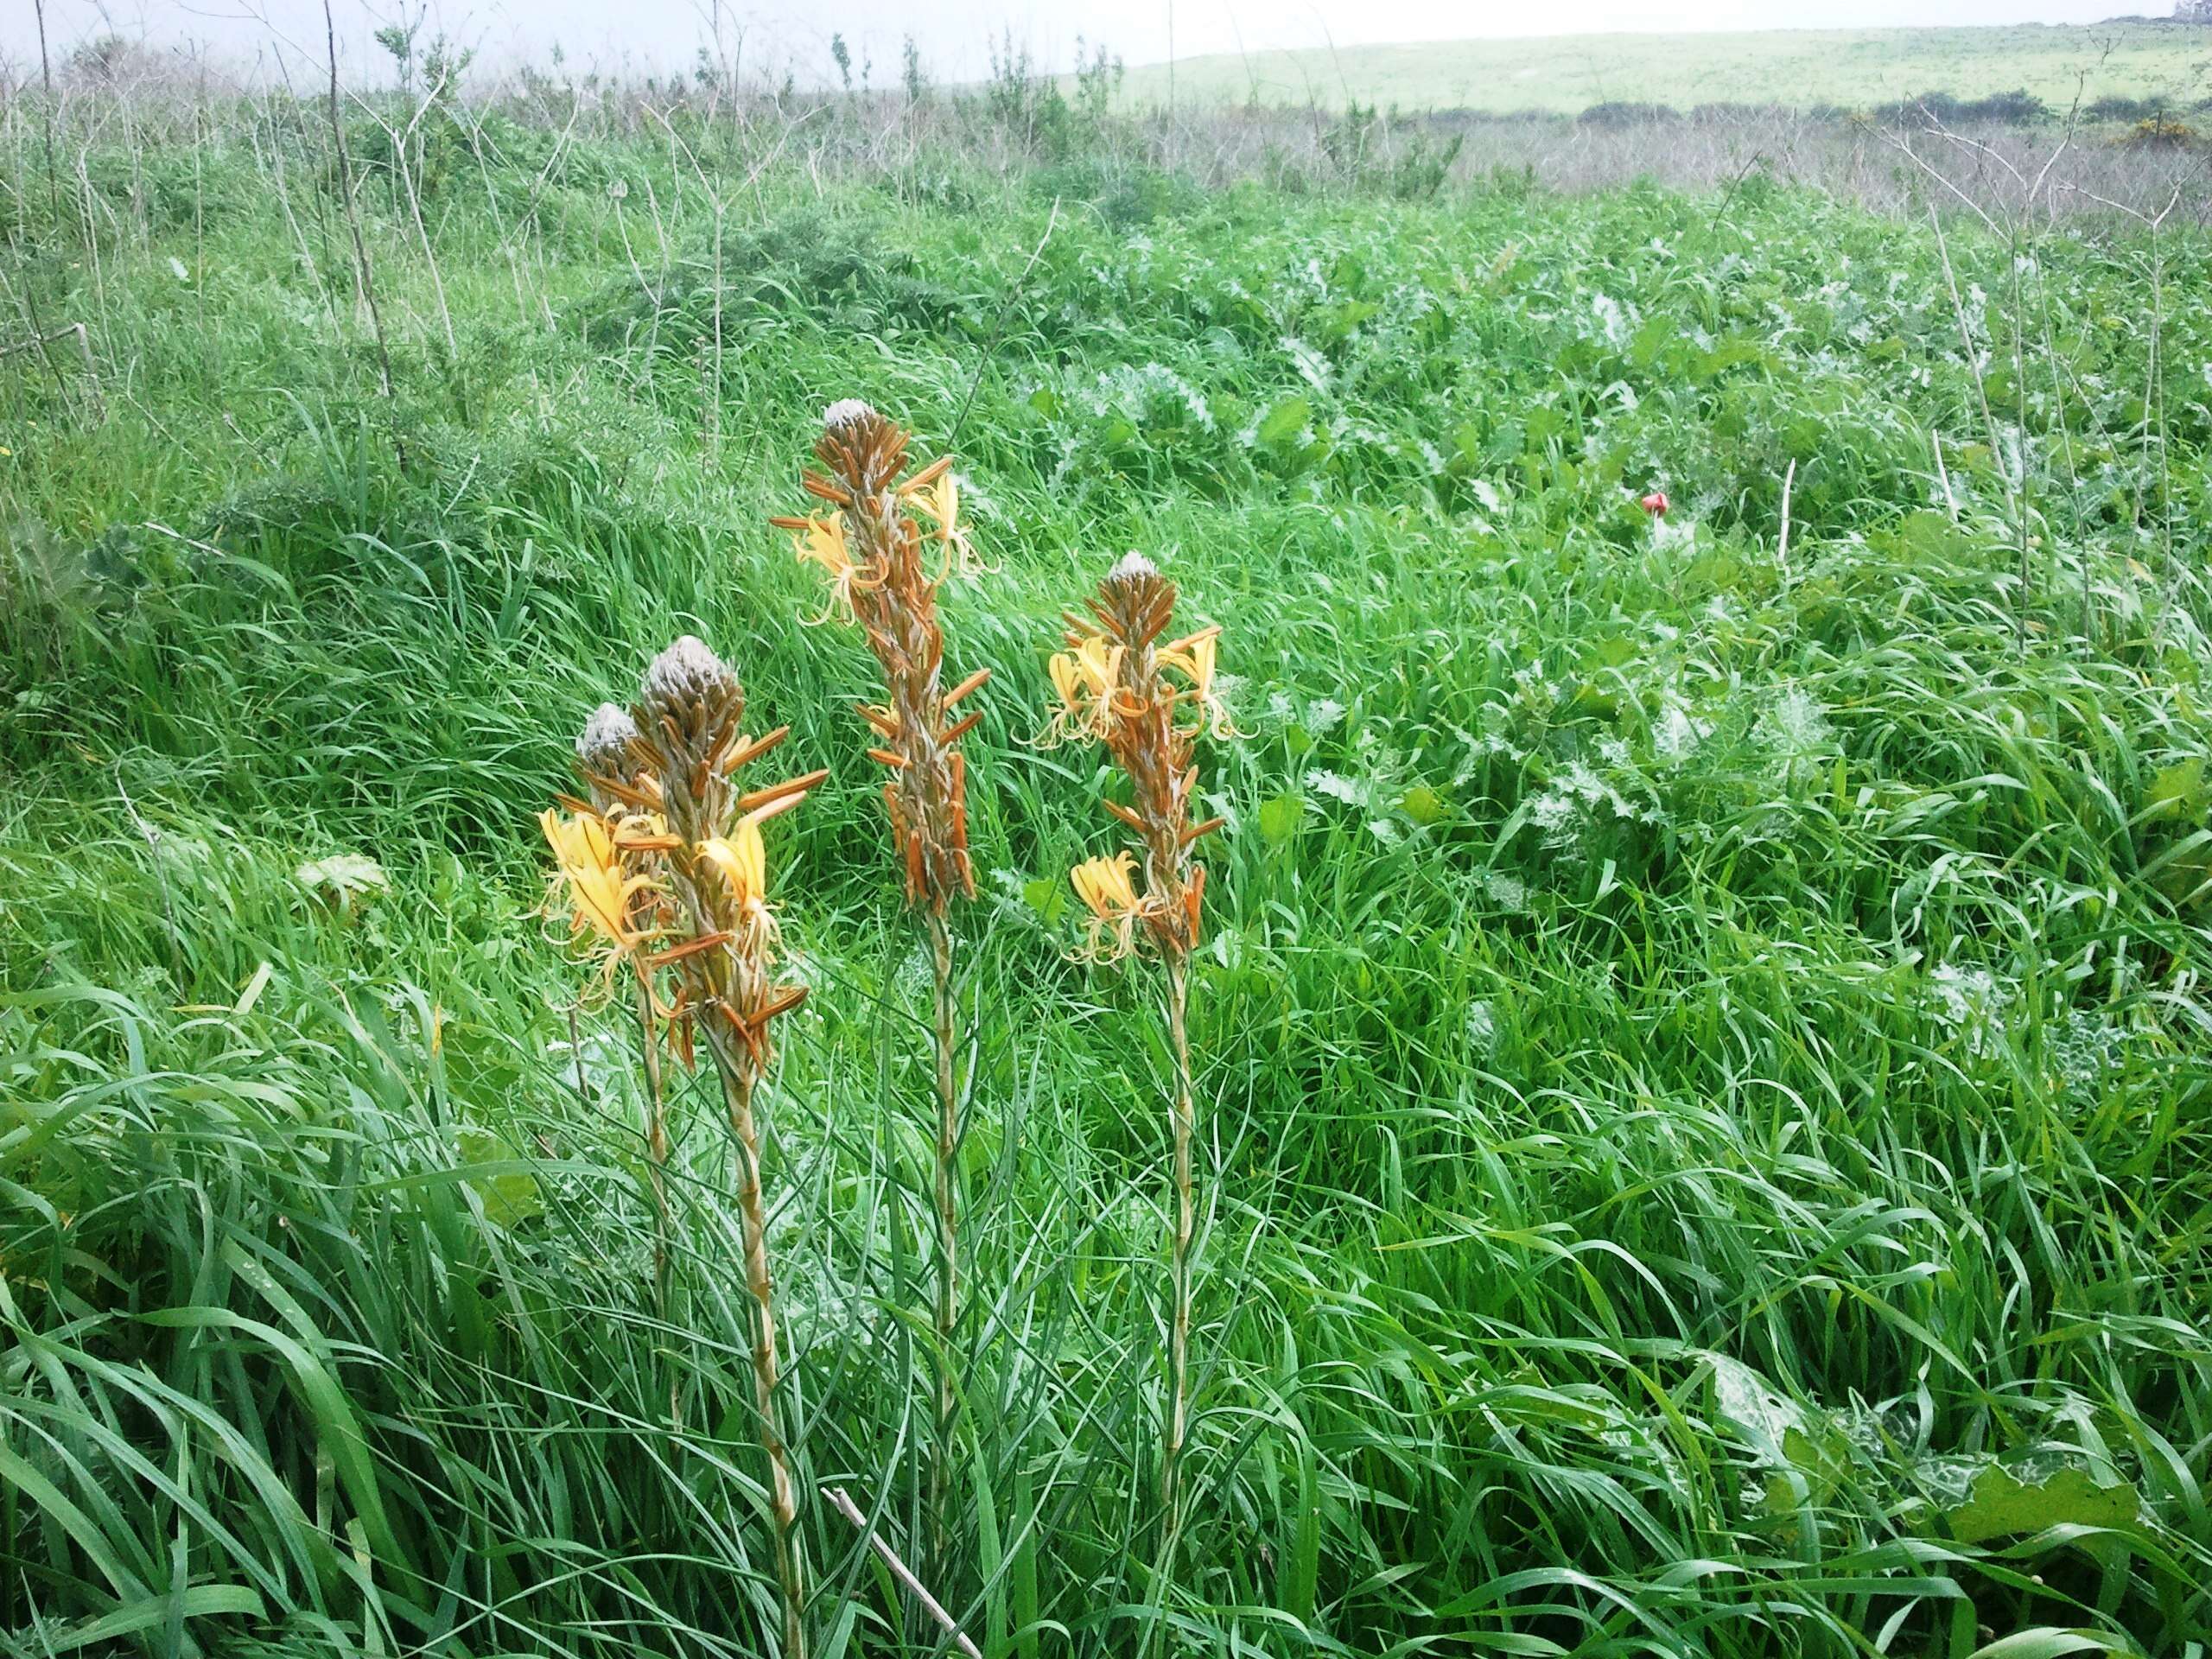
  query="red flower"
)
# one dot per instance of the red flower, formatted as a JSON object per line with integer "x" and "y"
{"x": 1654, "y": 503}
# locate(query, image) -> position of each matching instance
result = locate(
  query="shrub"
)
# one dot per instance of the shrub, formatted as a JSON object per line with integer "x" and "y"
{"x": 2018, "y": 107}
{"x": 2112, "y": 107}
{"x": 2161, "y": 133}
{"x": 1409, "y": 159}
{"x": 1617, "y": 113}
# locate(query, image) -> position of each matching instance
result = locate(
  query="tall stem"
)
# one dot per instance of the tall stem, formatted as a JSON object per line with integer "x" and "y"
{"x": 1178, "y": 1330}
{"x": 361, "y": 247}
{"x": 737, "y": 1074}
{"x": 46, "y": 110}
{"x": 948, "y": 1229}
{"x": 656, "y": 1132}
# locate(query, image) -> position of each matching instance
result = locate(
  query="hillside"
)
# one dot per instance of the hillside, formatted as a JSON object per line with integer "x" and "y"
{"x": 1567, "y": 73}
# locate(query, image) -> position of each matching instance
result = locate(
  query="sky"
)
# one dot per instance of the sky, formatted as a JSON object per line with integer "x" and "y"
{"x": 778, "y": 34}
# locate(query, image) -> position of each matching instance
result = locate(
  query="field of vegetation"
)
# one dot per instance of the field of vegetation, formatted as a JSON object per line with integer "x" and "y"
{"x": 1699, "y": 1048}
{"x": 1851, "y": 68}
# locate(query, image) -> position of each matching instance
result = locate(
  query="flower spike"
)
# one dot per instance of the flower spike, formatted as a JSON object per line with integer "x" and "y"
{"x": 1149, "y": 704}
{"x": 871, "y": 550}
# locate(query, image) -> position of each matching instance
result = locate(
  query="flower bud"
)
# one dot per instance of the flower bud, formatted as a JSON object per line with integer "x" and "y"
{"x": 686, "y": 681}
{"x": 603, "y": 746}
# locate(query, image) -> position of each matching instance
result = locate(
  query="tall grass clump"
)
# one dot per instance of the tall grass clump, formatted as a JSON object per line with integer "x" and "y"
{"x": 1149, "y": 703}
{"x": 870, "y": 547}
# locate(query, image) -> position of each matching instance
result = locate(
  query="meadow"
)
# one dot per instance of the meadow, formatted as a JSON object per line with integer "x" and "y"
{"x": 1848, "y": 69}
{"x": 1699, "y": 1062}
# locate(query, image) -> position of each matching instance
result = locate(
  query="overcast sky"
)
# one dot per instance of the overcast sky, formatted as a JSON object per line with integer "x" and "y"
{"x": 661, "y": 33}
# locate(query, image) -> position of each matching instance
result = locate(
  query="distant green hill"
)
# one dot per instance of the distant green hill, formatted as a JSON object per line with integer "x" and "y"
{"x": 1568, "y": 72}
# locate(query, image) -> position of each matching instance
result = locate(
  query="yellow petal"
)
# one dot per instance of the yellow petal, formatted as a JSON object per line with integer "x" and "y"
{"x": 1194, "y": 659}
{"x": 1100, "y": 662}
{"x": 1067, "y": 680}
{"x": 743, "y": 861}
{"x": 1104, "y": 886}
{"x": 941, "y": 500}
{"x": 822, "y": 542}
{"x": 599, "y": 888}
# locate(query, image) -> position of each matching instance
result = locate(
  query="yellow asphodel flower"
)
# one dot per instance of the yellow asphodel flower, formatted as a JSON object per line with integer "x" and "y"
{"x": 743, "y": 858}
{"x": 1106, "y": 888}
{"x": 822, "y": 541}
{"x": 940, "y": 501}
{"x": 1084, "y": 678}
{"x": 1194, "y": 659}
{"x": 600, "y": 888}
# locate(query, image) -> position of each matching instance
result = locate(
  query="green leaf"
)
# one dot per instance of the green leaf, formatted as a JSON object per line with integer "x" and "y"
{"x": 1047, "y": 898}
{"x": 2177, "y": 791}
{"x": 1423, "y": 804}
{"x": 337, "y": 1429}
{"x": 1655, "y": 337}
{"x": 200, "y": 1601}
{"x": 2042, "y": 1643}
{"x": 1609, "y": 651}
{"x": 1340, "y": 320}
{"x": 342, "y": 879}
{"x": 505, "y": 1186}
{"x": 1285, "y": 421}
{"x": 20, "y": 1476}
{"x": 2000, "y": 1504}
{"x": 1279, "y": 818}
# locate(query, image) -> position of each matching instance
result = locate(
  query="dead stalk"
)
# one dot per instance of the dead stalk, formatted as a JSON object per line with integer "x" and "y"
{"x": 360, "y": 248}
{"x": 842, "y": 1501}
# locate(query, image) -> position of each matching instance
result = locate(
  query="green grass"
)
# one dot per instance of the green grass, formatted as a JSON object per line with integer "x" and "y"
{"x": 1702, "y": 1051}
{"x": 1856, "y": 69}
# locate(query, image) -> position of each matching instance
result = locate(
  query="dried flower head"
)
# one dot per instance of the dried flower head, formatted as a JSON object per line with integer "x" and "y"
{"x": 870, "y": 547}
{"x": 1148, "y": 703}
{"x": 1132, "y": 566}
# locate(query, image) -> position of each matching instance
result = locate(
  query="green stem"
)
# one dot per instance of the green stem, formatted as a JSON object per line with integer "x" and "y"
{"x": 947, "y": 1194}
{"x": 737, "y": 1074}
{"x": 657, "y": 1151}
{"x": 1176, "y": 1427}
